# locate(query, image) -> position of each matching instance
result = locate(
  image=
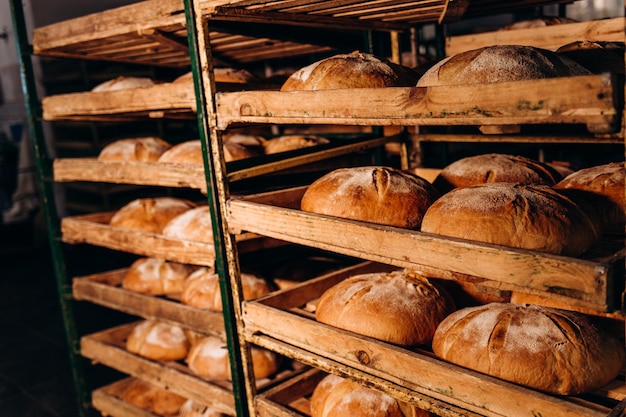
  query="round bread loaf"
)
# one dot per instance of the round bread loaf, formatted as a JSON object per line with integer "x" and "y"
{"x": 292, "y": 142}
{"x": 148, "y": 149}
{"x": 157, "y": 340}
{"x": 208, "y": 358}
{"x": 192, "y": 409}
{"x": 373, "y": 194}
{"x": 123, "y": 83}
{"x": 596, "y": 56}
{"x": 494, "y": 167}
{"x": 400, "y": 307}
{"x": 500, "y": 63}
{"x": 222, "y": 75}
{"x": 533, "y": 217}
{"x": 603, "y": 187}
{"x": 539, "y": 22}
{"x": 548, "y": 349}
{"x": 156, "y": 276}
{"x": 149, "y": 215}
{"x": 354, "y": 70}
{"x": 240, "y": 146}
{"x": 151, "y": 398}
{"x": 189, "y": 152}
{"x": 193, "y": 224}
{"x": 340, "y": 397}
{"x": 202, "y": 289}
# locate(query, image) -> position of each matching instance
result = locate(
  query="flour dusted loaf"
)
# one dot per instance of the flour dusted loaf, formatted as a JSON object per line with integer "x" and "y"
{"x": 603, "y": 187}
{"x": 335, "y": 396}
{"x": 149, "y": 215}
{"x": 354, "y": 70}
{"x": 551, "y": 350}
{"x": 156, "y": 276}
{"x": 123, "y": 83}
{"x": 208, "y": 358}
{"x": 202, "y": 289}
{"x": 500, "y": 63}
{"x": 373, "y": 194}
{"x": 149, "y": 397}
{"x": 193, "y": 224}
{"x": 494, "y": 167}
{"x": 400, "y": 307}
{"x": 145, "y": 149}
{"x": 158, "y": 340}
{"x": 291, "y": 142}
{"x": 534, "y": 217}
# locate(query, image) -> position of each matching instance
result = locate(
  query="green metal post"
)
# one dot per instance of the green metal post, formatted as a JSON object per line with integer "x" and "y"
{"x": 44, "y": 171}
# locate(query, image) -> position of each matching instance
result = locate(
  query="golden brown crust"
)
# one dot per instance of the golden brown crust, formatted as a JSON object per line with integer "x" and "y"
{"x": 146, "y": 149}
{"x": 156, "y": 276}
{"x": 194, "y": 224}
{"x": 500, "y": 63}
{"x": 373, "y": 194}
{"x": 149, "y": 215}
{"x": 547, "y": 349}
{"x": 157, "y": 340}
{"x": 149, "y": 397}
{"x": 596, "y": 56}
{"x": 222, "y": 75}
{"x": 354, "y": 70}
{"x": 123, "y": 83}
{"x": 193, "y": 409}
{"x": 240, "y": 146}
{"x": 292, "y": 142}
{"x": 533, "y": 217}
{"x": 399, "y": 307}
{"x": 189, "y": 152}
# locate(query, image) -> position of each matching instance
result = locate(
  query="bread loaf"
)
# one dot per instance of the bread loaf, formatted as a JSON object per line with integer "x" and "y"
{"x": 149, "y": 397}
{"x": 539, "y": 22}
{"x": 158, "y": 341}
{"x": 596, "y": 56}
{"x": 156, "y": 276}
{"x": 400, "y": 307}
{"x": 208, "y": 358}
{"x": 500, "y": 63}
{"x": 123, "y": 83}
{"x": 192, "y": 409}
{"x": 603, "y": 187}
{"x": 194, "y": 224}
{"x": 240, "y": 146}
{"x": 354, "y": 70}
{"x": 148, "y": 149}
{"x": 292, "y": 142}
{"x": 222, "y": 75}
{"x": 149, "y": 215}
{"x": 494, "y": 167}
{"x": 340, "y": 397}
{"x": 552, "y": 350}
{"x": 373, "y": 194}
{"x": 202, "y": 289}
{"x": 189, "y": 152}
{"x": 533, "y": 217}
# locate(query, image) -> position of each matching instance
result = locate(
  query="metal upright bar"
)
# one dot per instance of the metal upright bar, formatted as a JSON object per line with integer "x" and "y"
{"x": 44, "y": 171}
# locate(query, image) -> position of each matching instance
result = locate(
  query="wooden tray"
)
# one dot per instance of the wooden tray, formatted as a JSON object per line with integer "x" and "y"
{"x": 594, "y": 283}
{"x": 591, "y": 100}
{"x": 284, "y": 322}
{"x": 94, "y": 229}
{"x": 105, "y": 289}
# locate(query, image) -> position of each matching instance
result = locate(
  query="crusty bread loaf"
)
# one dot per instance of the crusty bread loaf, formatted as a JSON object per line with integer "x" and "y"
{"x": 500, "y": 63}
{"x": 123, "y": 83}
{"x": 400, "y": 307}
{"x": 533, "y": 217}
{"x": 547, "y": 349}
{"x": 193, "y": 409}
{"x": 193, "y": 224}
{"x": 373, "y": 194}
{"x": 222, "y": 75}
{"x": 240, "y": 146}
{"x": 156, "y": 276}
{"x": 354, "y": 70}
{"x": 188, "y": 152}
{"x": 596, "y": 56}
{"x": 202, "y": 289}
{"x": 158, "y": 340}
{"x": 151, "y": 398}
{"x": 208, "y": 358}
{"x": 149, "y": 215}
{"x": 292, "y": 142}
{"x": 603, "y": 187}
{"x": 539, "y": 22}
{"x": 335, "y": 396}
{"x": 494, "y": 167}
{"x": 146, "y": 149}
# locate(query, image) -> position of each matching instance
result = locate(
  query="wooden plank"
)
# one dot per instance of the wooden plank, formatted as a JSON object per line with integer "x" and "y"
{"x": 549, "y": 37}
{"x": 587, "y": 283}
{"x": 415, "y": 369}
{"x": 108, "y": 348}
{"x": 105, "y": 289}
{"x": 588, "y": 100}
{"x": 108, "y": 401}
{"x": 130, "y": 172}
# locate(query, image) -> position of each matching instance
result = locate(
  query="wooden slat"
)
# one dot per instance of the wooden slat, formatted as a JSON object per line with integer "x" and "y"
{"x": 585, "y": 99}
{"x": 105, "y": 289}
{"x": 586, "y": 283}
{"x": 108, "y": 401}
{"x": 550, "y": 37}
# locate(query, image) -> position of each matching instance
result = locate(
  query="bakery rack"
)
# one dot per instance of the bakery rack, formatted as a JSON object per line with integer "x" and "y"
{"x": 204, "y": 33}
